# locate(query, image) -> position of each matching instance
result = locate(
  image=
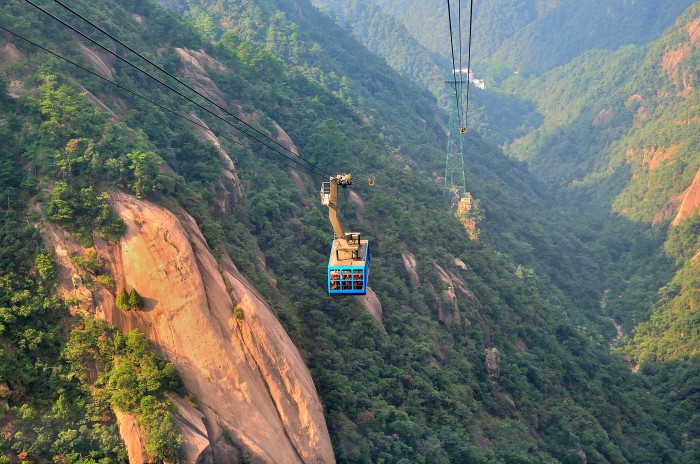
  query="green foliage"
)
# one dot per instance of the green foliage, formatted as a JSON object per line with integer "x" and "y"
{"x": 164, "y": 439}
{"x": 417, "y": 394}
{"x": 128, "y": 301}
{"x": 132, "y": 379}
{"x": 614, "y": 126}
{"x": 49, "y": 413}
{"x": 122, "y": 299}
{"x": 64, "y": 113}
{"x": 145, "y": 167}
{"x": 90, "y": 261}
{"x": 105, "y": 280}
{"x": 671, "y": 332}
{"x": 676, "y": 383}
{"x": 533, "y": 36}
{"x": 135, "y": 300}
{"x": 82, "y": 211}
{"x": 238, "y": 313}
{"x": 624, "y": 145}
{"x": 684, "y": 239}
{"x": 45, "y": 267}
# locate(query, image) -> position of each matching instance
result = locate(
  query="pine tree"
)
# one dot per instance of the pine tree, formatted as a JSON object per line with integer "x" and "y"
{"x": 135, "y": 300}
{"x": 123, "y": 299}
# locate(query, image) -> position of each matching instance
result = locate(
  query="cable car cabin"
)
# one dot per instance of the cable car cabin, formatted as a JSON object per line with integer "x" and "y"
{"x": 348, "y": 266}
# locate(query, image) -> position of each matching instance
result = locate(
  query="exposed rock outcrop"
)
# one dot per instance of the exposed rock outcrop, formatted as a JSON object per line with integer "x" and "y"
{"x": 195, "y": 438}
{"x": 195, "y": 64}
{"x": 9, "y": 54}
{"x": 655, "y": 156}
{"x": 102, "y": 64}
{"x": 284, "y": 139}
{"x": 693, "y": 30}
{"x": 15, "y": 88}
{"x": 672, "y": 58}
{"x": 99, "y": 103}
{"x": 5, "y": 394}
{"x": 690, "y": 200}
{"x": 372, "y": 304}
{"x": 133, "y": 438}
{"x": 250, "y": 382}
{"x": 460, "y": 264}
{"x": 493, "y": 357}
{"x": 448, "y": 315}
{"x": 298, "y": 181}
{"x": 455, "y": 289}
{"x": 409, "y": 263}
{"x": 355, "y": 199}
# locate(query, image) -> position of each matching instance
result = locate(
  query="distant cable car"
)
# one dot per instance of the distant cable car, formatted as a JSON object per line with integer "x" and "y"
{"x": 348, "y": 264}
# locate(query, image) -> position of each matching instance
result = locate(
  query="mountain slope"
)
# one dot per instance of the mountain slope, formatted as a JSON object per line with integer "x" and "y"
{"x": 481, "y": 358}
{"x": 630, "y": 145}
{"x": 292, "y": 14}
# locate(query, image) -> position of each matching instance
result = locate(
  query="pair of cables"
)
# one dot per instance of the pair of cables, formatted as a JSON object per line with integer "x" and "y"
{"x": 285, "y": 156}
{"x": 462, "y": 107}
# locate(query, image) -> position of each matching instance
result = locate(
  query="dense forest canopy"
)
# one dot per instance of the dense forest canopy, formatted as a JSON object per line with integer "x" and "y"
{"x": 488, "y": 350}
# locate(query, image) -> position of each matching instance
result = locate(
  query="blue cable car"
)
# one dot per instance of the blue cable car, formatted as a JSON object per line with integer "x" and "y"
{"x": 348, "y": 272}
{"x": 348, "y": 264}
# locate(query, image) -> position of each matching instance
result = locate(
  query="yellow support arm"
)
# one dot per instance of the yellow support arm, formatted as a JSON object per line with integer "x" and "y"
{"x": 329, "y": 197}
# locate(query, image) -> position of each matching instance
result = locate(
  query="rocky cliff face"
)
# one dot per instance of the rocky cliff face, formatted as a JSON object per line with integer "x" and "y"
{"x": 249, "y": 380}
{"x": 690, "y": 200}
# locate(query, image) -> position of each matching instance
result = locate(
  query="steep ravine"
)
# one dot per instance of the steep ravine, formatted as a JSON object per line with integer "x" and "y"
{"x": 248, "y": 379}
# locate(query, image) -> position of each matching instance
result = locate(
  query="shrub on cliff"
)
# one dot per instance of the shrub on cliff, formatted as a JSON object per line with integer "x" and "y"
{"x": 135, "y": 300}
{"x": 122, "y": 299}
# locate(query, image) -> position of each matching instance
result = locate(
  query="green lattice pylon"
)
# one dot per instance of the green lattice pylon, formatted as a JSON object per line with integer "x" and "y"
{"x": 455, "y": 182}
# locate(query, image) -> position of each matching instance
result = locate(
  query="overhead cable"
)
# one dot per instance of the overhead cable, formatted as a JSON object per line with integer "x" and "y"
{"x": 178, "y": 80}
{"x": 160, "y": 81}
{"x": 136, "y": 94}
{"x": 452, "y": 47}
{"x": 469, "y": 61}
{"x": 459, "y": 36}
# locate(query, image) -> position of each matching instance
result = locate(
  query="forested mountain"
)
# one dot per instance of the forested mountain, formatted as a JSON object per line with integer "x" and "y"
{"x": 387, "y": 37}
{"x": 489, "y": 350}
{"x": 527, "y": 37}
{"x": 629, "y": 142}
{"x": 500, "y": 118}
{"x": 532, "y": 36}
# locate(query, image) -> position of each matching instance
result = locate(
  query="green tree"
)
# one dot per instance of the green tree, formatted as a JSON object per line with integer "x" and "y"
{"x": 145, "y": 167}
{"x": 65, "y": 114}
{"x": 135, "y": 300}
{"x": 45, "y": 267}
{"x": 164, "y": 439}
{"x": 122, "y": 299}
